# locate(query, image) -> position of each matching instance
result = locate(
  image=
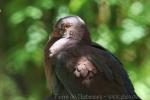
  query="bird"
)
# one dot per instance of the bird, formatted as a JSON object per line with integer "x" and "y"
{"x": 77, "y": 68}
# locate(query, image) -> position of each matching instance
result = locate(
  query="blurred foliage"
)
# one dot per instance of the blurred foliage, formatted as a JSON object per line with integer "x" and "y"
{"x": 122, "y": 26}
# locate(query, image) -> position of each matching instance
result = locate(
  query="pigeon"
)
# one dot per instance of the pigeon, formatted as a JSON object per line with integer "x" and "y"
{"x": 77, "y": 68}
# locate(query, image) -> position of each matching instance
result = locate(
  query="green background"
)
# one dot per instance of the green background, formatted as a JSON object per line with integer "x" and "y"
{"x": 122, "y": 26}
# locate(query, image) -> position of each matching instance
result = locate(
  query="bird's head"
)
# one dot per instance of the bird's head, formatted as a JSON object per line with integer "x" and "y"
{"x": 72, "y": 27}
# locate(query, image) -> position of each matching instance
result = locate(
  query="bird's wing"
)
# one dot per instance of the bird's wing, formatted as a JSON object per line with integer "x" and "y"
{"x": 125, "y": 78}
{"x": 91, "y": 70}
{"x": 48, "y": 64}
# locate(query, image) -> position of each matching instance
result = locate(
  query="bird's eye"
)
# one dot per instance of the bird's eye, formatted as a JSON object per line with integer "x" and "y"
{"x": 67, "y": 26}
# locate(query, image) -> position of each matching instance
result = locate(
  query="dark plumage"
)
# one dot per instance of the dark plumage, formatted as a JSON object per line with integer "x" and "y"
{"x": 77, "y": 68}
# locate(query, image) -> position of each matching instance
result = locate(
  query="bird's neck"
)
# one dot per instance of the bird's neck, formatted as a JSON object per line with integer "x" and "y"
{"x": 86, "y": 34}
